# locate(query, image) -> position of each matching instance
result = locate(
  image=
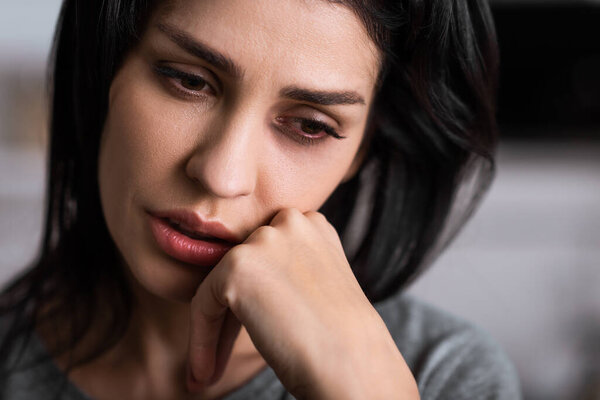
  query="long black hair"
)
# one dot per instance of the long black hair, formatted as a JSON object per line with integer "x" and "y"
{"x": 431, "y": 143}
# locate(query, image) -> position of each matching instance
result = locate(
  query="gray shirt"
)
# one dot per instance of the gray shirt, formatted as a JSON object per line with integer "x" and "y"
{"x": 449, "y": 358}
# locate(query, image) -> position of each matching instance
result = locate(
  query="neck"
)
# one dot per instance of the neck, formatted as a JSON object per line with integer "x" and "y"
{"x": 157, "y": 325}
{"x": 152, "y": 355}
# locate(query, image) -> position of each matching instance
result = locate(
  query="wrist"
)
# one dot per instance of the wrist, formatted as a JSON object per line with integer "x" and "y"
{"x": 369, "y": 366}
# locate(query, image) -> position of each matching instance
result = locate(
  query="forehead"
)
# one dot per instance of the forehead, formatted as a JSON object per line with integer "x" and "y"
{"x": 300, "y": 41}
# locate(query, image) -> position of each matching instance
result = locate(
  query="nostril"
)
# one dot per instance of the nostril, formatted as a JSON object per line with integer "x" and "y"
{"x": 194, "y": 179}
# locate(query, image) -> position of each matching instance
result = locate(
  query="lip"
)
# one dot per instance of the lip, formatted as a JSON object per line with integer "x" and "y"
{"x": 213, "y": 241}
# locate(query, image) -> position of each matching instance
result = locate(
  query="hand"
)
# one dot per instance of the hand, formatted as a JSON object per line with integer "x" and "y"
{"x": 292, "y": 288}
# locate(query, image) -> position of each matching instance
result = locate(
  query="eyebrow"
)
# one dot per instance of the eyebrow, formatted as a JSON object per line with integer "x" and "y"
{"x": 226, "y": 64}
{"x": 201, "y": 50}
{"x": 324, "y": 98}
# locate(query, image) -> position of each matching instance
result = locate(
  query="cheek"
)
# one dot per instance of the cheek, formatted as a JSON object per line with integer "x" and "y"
{"x": 306, "y": 179}
{"x": 137, "y": 150}
{"x": 122, "y": 151}
{"x": 139, "y": 143}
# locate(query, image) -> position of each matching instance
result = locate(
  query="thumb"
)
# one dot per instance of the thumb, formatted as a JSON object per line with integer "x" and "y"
{"x": 213, "y": 330}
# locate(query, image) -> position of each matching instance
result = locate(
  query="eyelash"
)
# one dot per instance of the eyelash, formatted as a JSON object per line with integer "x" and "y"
{"x": 294, "y": 134}
{"x": 302, "y": 137}
{"x": 172, "y": 73}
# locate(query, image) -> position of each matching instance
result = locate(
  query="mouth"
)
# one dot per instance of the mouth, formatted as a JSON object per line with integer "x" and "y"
{"x": 192, "y": 225}
{"x": 187, "y": 238}
{"x": 180, "y": 227}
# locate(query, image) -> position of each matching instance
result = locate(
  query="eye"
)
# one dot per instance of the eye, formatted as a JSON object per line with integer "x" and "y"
{"x": 306, "y": 130}
{"x": 312, "y": 127}
{"x": 190, "y": 85}
{"x": 193, "y": 83}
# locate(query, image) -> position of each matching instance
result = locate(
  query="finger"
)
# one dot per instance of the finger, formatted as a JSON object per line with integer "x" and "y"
{"x": 229, "y": 333}
{"x": 321, "y": 222}
{"x": 286, "y": 216}
{"x": 325, "y": 228}
{"x": 207, "y": 316}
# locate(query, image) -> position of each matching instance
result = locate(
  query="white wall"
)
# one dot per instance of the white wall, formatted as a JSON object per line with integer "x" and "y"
{"x": 26, "y": 28}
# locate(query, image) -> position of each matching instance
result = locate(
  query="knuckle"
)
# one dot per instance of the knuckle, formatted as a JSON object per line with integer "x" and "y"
{"x": 289, "y": 215}
{"x": 317, "y": 217}
{"x": 236, "y": 257}
{"x": 236, "y": 267}
{"x": 264, "y": 233}
{"x": 322, "y": 222}
{"x": 230, "y": 293}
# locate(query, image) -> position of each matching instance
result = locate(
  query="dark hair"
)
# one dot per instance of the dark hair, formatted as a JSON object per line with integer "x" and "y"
{"x": 432, "y": 137}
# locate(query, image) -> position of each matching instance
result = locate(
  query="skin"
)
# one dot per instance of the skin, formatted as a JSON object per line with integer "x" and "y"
{"x": 230, "y": 149}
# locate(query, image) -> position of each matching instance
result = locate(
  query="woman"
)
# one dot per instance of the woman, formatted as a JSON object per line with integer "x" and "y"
{"x": 193, "y": 144}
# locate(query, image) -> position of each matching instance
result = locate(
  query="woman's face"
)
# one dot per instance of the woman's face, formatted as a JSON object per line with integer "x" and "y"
{"x": 227, "y": 112}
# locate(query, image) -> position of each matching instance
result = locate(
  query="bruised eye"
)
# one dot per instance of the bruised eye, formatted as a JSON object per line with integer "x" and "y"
{"x": 306, "y": 130}
{"x": 188, "y": 84}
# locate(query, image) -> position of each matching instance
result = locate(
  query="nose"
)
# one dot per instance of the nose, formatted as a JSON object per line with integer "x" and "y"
{"x": 225, "y": 163}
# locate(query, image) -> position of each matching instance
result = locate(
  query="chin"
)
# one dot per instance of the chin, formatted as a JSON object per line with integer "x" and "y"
{"x": 152, "y": 272}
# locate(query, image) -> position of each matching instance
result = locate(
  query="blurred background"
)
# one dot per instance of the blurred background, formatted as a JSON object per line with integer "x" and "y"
{"x": 527, "y": 266}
